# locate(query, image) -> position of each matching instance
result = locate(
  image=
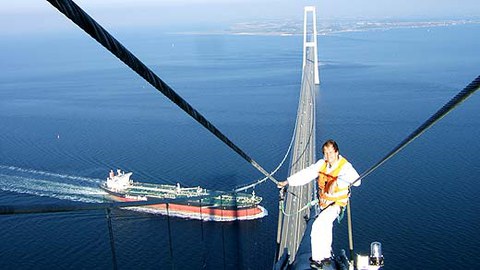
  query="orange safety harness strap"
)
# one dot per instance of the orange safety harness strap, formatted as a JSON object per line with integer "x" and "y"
{"x": 327, "y": 183}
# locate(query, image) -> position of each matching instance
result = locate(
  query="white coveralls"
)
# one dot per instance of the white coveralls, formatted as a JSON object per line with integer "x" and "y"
{"x": 322, "y": 228}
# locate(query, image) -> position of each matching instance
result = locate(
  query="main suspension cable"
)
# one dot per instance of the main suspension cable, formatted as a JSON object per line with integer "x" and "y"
{"x": 97, "y": 32}
{"x": 448, "y": 107}
{"x": 458, "y": 99}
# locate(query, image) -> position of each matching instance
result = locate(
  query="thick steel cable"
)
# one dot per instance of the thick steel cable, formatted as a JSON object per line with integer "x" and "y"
{"x": 448, "y": 107}
{"x": 97, "y": 32}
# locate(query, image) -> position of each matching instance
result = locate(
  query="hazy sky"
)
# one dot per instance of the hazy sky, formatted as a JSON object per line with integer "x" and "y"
{"x": 38, "y": 15}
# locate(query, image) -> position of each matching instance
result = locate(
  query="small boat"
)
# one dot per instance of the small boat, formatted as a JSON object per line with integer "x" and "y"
{"x": 204, "y": 205}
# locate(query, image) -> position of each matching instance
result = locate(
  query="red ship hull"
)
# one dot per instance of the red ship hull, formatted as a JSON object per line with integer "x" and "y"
{"x": 201, "y": 212}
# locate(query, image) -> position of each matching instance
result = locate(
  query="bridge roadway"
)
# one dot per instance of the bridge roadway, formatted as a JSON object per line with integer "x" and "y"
{"x": 303, "y": 154}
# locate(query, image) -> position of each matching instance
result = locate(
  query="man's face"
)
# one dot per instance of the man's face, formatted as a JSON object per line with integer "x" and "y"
{"x": 330, "y": 155}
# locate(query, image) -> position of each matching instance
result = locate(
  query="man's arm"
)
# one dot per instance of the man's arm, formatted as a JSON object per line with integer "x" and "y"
{"x": 303, "y": 176}
{"x": 349, "y": 174}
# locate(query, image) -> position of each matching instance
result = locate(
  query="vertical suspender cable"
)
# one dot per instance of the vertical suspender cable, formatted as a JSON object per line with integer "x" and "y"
{"x": 201, "y": 216}
{"x": 170, "y": 237}
{"x": 281, "y": 194}
{"x": 350, "y": 232}
{"x": 112, "y": 241}
{"x": 223, "y": 246}
{"x": 204, "y": 255}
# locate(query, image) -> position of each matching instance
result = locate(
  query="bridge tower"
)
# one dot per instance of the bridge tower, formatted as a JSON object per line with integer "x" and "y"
{"x": 310, "y": 39}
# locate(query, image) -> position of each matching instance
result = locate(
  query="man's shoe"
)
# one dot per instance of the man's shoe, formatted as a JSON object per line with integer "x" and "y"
{"x": 315, "y": 265}
{"x": 320, "y": 265}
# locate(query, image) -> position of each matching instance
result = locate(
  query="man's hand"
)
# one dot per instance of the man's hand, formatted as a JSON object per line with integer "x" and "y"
{"x": 282, "y": 184}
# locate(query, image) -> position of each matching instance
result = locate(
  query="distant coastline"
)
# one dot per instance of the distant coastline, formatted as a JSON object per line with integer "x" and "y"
{"x": 290, "y": 28}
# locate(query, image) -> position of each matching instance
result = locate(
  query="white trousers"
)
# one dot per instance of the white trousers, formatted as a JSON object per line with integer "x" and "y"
{"x": 321, "y": 235}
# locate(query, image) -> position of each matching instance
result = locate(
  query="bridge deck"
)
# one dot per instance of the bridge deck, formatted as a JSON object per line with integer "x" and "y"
{"x": 303, "y": 155}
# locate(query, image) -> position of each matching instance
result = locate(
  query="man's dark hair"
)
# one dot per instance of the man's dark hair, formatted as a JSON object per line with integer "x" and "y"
{"x": 332, "y": 143}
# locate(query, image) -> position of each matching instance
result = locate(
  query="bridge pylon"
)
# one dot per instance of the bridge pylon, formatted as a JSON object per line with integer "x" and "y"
{"x": 310, "y": 40}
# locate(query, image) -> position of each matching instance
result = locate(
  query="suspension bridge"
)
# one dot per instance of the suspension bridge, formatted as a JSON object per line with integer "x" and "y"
{"x": 292, "y": 228}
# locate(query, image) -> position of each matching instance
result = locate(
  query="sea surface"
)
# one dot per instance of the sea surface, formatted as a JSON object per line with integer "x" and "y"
{"x": 70, "y": 112}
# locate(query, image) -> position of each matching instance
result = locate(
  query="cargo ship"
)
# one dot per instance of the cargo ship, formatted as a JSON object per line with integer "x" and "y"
{"x": 204, "y": 205}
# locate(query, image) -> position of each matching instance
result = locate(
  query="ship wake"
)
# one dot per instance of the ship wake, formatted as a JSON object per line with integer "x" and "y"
{"x": 53, "y": 185}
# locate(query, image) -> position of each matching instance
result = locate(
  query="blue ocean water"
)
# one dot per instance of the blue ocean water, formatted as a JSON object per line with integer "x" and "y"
{"x": 70, "y": 112}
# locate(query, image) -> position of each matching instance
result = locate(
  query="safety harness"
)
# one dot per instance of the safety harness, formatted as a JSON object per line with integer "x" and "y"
{"x": 329, "y": 192}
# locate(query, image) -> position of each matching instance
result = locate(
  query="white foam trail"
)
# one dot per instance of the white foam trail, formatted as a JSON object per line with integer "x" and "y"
{"x": 43, "y": 173}
{"x": 51, "y": 188}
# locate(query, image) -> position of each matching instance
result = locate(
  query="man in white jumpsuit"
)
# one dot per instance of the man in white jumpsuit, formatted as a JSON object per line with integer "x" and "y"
{"x": 334, "y": 174}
